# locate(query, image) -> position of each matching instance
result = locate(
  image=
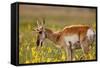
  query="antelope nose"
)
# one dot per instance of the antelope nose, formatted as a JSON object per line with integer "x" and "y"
{"x": 40, "y": 32}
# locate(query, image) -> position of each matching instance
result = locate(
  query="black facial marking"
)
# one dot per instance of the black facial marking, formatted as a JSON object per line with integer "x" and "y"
{"x": 38, "y": 41}
{"x": 40, "y": 32}
{"x": 41, "y": 43}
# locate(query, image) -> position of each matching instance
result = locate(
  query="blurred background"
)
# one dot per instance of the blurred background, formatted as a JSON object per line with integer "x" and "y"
{"x": 56, "y": 18}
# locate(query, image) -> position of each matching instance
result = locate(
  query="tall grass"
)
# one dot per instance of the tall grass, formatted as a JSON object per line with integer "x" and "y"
{"x": 28, "y": 53}
{"x": 56, "y": 19}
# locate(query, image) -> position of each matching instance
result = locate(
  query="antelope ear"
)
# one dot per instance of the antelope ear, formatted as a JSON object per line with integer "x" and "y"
{"x": 35, "y": 30}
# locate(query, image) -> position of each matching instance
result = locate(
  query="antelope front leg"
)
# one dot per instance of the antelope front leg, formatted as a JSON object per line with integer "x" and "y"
{"x": 69, "y": 53}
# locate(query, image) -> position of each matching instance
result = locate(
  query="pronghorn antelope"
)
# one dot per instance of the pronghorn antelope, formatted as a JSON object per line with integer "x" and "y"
{"x": 69, "y": 38}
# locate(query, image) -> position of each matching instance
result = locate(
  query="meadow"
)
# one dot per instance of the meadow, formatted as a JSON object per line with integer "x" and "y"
{"x": 28, "y": 53}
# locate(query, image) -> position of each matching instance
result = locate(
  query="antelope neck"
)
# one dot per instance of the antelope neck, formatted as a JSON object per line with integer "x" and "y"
{"x": 51, "y": 35}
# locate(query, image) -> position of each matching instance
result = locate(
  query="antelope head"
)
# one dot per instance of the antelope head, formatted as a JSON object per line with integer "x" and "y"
{"x": 40, "y": 29}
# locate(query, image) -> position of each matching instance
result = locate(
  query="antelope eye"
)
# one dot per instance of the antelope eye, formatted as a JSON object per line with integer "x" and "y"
{"x": 37, "y": 29}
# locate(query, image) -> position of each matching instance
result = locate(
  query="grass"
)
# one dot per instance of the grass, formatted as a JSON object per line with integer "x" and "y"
{"x": 56, "y": 21}
{"x": 48, "y": 52}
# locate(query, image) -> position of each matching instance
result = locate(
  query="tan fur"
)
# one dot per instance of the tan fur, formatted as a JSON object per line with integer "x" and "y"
{"x": 57, "y": 37}
{"x": 70, "y": 32}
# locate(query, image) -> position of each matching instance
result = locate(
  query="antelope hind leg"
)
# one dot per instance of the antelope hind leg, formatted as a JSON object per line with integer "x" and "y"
{"x": 85, "y": 49}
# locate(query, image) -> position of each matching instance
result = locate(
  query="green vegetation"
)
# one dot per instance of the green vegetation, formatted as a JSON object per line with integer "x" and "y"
{"x": 28, "y": 53}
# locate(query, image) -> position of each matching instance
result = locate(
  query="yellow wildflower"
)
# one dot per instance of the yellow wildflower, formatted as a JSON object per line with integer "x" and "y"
{"x": 27, "y": 61}
{"x": 48, "y": 60}
{"x": 49, "y": 50}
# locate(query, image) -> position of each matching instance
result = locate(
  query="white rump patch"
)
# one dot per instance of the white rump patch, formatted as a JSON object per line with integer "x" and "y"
{"x": 90, "y": 34}
{"x": 72, "y": 38}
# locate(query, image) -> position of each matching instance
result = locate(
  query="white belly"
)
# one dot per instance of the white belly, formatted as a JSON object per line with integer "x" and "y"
{"x": 71, "y": 38}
